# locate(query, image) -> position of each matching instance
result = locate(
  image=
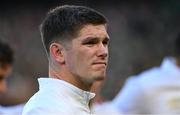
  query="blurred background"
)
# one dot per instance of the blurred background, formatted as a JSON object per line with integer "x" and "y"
{"x": 141, "y": 32}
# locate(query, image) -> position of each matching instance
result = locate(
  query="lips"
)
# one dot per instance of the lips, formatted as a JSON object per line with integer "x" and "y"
{"x": 100, "y": 63}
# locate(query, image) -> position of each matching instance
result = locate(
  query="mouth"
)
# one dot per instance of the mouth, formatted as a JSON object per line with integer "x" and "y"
{"x": 100, "y": 63}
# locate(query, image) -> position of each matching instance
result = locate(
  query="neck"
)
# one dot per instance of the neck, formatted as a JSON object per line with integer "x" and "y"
{"x": 63, "y": 74}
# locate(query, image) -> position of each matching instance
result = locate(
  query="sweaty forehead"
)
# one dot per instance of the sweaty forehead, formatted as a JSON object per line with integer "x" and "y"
{"x": 94, "y": 31}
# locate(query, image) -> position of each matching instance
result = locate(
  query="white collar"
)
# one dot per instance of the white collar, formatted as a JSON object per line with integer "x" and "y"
{"x": 66, "y": 88}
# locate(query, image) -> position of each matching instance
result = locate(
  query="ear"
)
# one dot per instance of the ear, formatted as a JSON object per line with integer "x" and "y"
{"x": 56, "y": 52}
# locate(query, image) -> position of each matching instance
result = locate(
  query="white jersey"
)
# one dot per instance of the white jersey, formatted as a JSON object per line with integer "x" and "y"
{"x": 57, "y": 97}
{"x": 105, "y": 108}
{"x": 12, "y": 110}
{"x": 154, "y": 91}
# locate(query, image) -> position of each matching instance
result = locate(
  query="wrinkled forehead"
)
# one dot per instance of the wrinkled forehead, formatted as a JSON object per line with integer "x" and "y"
{"x": 98, "y": 31}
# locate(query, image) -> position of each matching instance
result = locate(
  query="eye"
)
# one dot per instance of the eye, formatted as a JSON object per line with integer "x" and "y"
{"x": 90, "y": 41}
{"x": 106, "y": 41}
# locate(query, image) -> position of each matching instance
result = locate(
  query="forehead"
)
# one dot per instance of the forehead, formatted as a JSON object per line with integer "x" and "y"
{"x": 98, "y": 31}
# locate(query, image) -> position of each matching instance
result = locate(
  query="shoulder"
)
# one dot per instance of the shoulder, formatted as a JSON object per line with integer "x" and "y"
{"x": 153, "y": 72}
{"x": 143, "y": 77}
{"x": 138, "y": 82}
{"x": 45, "y": 103}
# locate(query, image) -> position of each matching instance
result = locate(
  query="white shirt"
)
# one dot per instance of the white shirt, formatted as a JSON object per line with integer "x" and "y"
{"x": 57, "y": 97}
{"x": 105, "y": 108}
{"x": 154, "y": 91}
{"x": 12, "y": 110}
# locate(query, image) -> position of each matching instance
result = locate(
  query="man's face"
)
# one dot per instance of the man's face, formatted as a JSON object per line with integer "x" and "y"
{"x": 5, "y": 70}
{"x": 87, "y": 57}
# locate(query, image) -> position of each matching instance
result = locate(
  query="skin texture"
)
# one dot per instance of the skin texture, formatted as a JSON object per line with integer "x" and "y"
{"x": 85, "y": 60}
{"x": 5, "y": 70}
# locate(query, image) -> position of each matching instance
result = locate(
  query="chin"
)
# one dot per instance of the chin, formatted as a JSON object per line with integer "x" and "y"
{"x": 100, "y": 78}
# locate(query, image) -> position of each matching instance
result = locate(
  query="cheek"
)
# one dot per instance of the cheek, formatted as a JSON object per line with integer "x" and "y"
{"x": 75, "y": 59}
{"x": 85, "y": 56}
{"x": 80, "y": 59}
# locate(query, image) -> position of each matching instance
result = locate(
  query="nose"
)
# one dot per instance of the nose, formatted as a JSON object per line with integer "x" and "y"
{"x": 102, "y": 50}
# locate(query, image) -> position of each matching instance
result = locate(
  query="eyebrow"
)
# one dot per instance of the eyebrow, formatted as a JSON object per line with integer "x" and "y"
{"x": 95, "y": 39}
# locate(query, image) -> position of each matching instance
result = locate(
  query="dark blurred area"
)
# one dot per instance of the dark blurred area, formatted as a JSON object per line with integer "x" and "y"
{"x": 141, "y": 32}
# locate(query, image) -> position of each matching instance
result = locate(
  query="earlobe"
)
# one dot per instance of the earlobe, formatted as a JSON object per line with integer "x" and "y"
{"x": 56, "y": 52}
